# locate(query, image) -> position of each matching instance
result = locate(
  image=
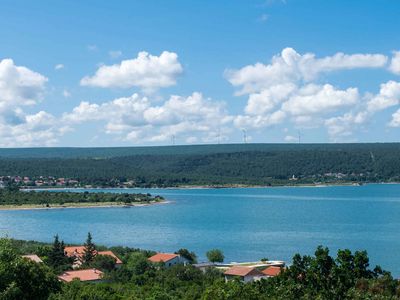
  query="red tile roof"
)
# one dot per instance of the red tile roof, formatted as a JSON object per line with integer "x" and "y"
{"x": 33, "y": 257}
{"x": 272, "y": 271}
{"x": 74, "y": 251}
{"x": 162, "y": 257}
{"x": 78, "y": 251}
{"x": 110, "y": 253}
{"x": 82, "y": 275}
{"x": 242, "y": 271}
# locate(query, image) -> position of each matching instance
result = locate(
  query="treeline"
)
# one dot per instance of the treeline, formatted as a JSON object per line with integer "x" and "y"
{"x": 321, "y": 276}
{"x": 229, "y": 164}
{"x": 108, "y": 152}
{"x": 12, "y": 196}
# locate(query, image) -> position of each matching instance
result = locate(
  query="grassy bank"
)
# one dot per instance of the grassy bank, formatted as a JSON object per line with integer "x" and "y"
{"x": 77, "y": 205}
{"x": 12, "y": 198}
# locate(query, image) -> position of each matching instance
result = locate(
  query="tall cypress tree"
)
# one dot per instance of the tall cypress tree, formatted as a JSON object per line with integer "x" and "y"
{"x": 90, "y": 250}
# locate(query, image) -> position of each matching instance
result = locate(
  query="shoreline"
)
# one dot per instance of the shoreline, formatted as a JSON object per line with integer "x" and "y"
{"x": 78, "y": 205}
{"x": 195, "y": 187}
{"x": 73, "y": 205}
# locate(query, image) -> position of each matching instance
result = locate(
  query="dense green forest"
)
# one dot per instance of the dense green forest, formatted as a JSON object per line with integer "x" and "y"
{"x": 251, "y": 164}
{"x": 320, "y": 276}
{"x": 107, "y": 152}
{"x": 15, "y": 197}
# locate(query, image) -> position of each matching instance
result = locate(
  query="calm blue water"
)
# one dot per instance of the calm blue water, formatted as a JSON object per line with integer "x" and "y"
{"x": 247, "y": 224}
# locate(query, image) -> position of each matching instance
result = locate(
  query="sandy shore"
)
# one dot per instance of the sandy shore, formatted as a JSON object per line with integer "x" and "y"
{"x": 78, "y": 205}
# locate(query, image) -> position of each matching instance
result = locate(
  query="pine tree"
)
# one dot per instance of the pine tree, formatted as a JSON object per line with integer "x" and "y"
{"x": 57, "y": 256}
{"x": 90, "y": 250}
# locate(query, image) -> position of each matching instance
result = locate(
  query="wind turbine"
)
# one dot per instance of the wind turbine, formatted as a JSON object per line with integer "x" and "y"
{"x": 299, "y": 135}
{"x": 244, "y": 136}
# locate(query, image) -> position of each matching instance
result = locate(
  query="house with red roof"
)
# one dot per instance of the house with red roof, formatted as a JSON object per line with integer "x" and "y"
{"x": 88, "y": 275}
{"x": 78, "y": 251}
{"x": 74, "y": 251}
{"x": 169, "y": 259}
{"x": 272, "y": 271}
{"x": 118, "y": 262}
{"x": 245, "y": 274}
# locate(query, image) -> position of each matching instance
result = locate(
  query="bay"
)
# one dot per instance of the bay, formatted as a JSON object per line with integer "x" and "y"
{"x": 246, "y": 223}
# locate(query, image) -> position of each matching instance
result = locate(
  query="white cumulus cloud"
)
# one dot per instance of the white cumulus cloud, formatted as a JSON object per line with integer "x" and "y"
{"x": 395, "y": 122}
{"x": 289, "y": 89}
{"x": 389, "y": 95}
{"x": 290, "y": 66}
{"x": 315, "y": 99}
{"x": 395, "y": 63}
{"x": 19, "y": 85}
{"x": 146, "y": 71}
{"x": 39, "y": 129}
{"x": 136, "y": 119}
{"x": 340, "y": 127}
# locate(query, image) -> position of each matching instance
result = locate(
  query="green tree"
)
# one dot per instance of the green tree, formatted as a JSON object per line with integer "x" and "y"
{"x": 190, "y": 256}
{"x": 90, "y": 250}
{"x": 103, "y": 262}
{"x": 56, "y": 256}
{"x": 215, "y": 255}
{"x": 361, "y": 264}
{"x": 138, "y": 263}
{"x": 233, "y": 290}
{"x": 12, "y": 188}
{"x": 22, "y": 279}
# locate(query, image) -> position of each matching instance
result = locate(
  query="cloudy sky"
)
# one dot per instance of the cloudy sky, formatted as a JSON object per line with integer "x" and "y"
{"x": 121, "y": 73}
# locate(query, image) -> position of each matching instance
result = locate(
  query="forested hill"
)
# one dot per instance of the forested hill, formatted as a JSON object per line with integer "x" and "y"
{"x": 108, "y": 152}
{"x": 258, "y": 164}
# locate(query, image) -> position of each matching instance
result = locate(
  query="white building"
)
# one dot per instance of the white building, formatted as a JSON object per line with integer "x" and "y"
{"x": 169, "y": 259}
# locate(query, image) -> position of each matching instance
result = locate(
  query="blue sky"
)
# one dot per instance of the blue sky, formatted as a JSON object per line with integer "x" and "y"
{"x": 71, "y": 73}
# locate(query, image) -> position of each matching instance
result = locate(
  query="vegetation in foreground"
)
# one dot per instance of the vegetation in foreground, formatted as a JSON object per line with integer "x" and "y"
{"x": 321, "y": 276}
{"x": 12, "y": 196}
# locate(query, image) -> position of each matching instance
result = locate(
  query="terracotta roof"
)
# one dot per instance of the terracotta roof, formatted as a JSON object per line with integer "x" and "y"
{"x": 110, "y": 253}
{"x": 272, "y": 271}
{"x": 243, "y": 271}
{"x": 74, "y": 251}
{"x": 33, "y": 257}
{"x": 82, "y": 275}
{"x": 78, "y": 251}
{"x": 162, "y": 257}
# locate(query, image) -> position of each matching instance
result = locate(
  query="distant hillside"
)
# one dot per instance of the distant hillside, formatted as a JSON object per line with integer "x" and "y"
{"x": 258, "y": 164}
{"x": 108, "y": 152}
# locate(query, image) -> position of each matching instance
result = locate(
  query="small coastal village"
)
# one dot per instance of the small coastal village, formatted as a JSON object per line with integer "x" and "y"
{"x": 46, "y": 181}
{"x": 61, "y": 182}
{"x": 80, "y": 254}
{"x": 27, "y": 181}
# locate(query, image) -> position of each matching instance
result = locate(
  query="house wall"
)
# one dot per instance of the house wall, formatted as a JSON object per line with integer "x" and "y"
{"x": 175, "y": 261}
{"x": 248, "y": 278}
{"x": 172, "y": 262}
